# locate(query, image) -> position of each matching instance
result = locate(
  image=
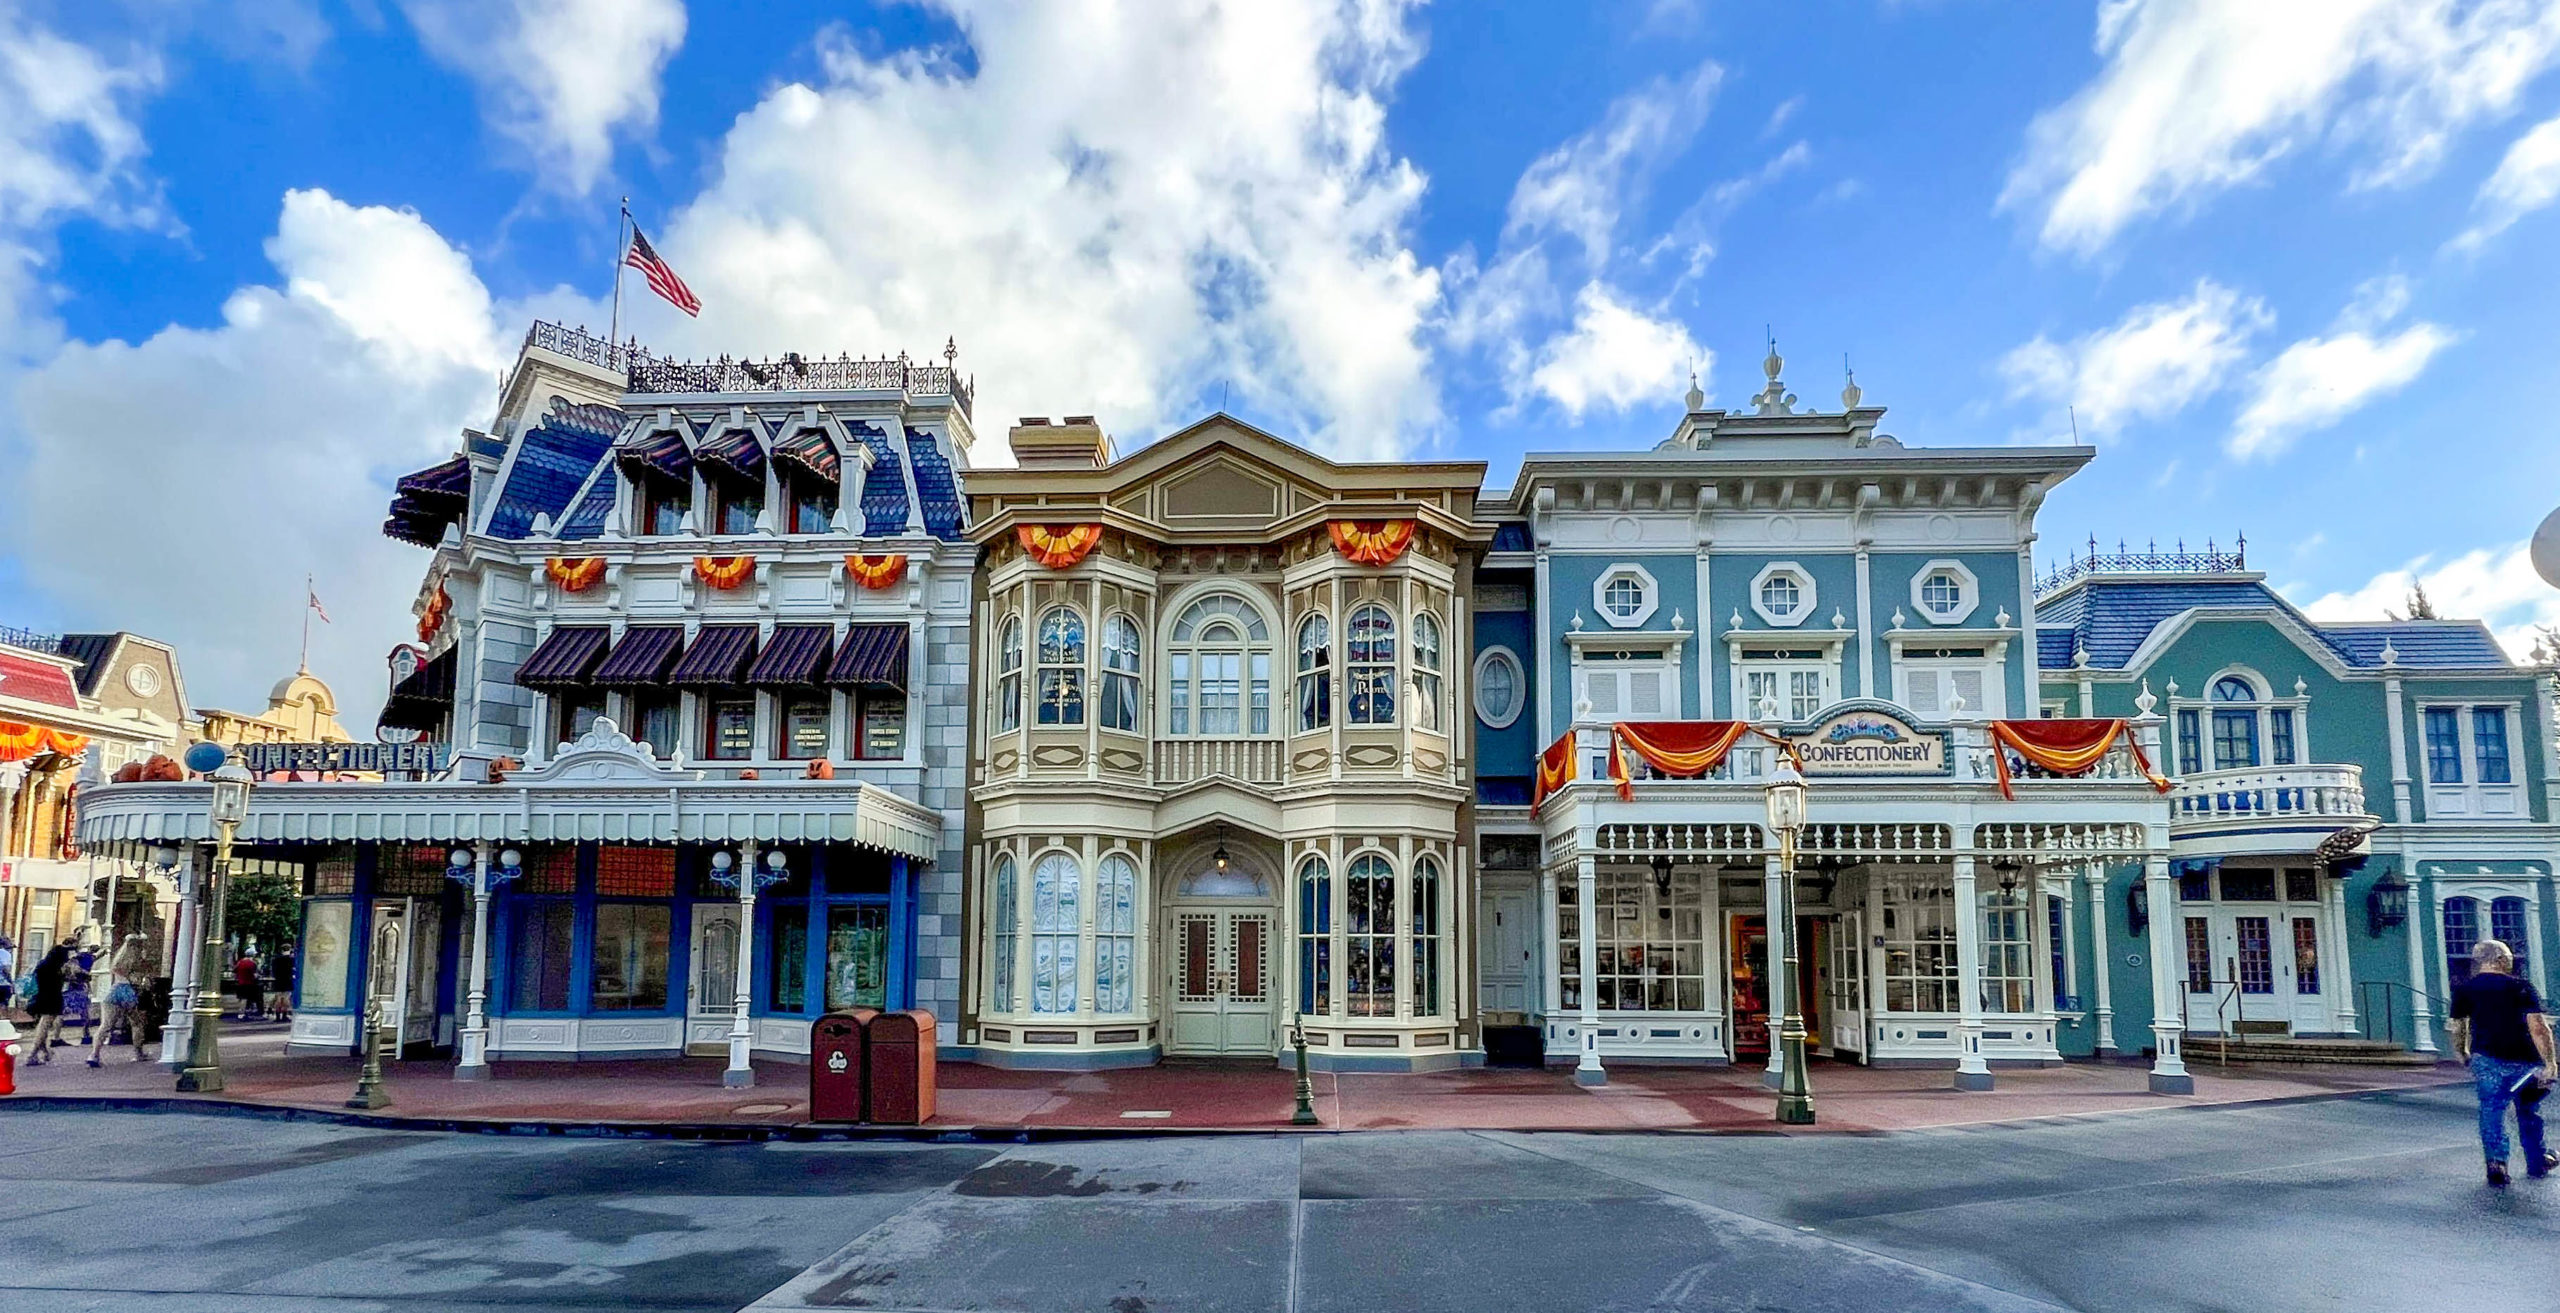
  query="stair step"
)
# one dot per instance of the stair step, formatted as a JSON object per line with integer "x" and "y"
{"x": 2251, "y": 1048}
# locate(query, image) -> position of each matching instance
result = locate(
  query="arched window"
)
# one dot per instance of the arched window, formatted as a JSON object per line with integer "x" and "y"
{"x": 1009, "y": 676}
{"x": 1218, "y": 669}
{"x": 1115, "y": 935}
{"x": 1120, "y": 646}
{"x": 1369, "y": 910}
{"x": 2508, "y": 925}
{"x": 2235, "y": 723}
{"x": 1370, "y": 664}
{"x": 1315, "y": 673}
{"x": 1008, "y": 935}
{"x": 1062, "y": 667}
{"x": 1053, "y": 933}
{"x": 1315, "y": 938}
{"x": 1426, "y": 933}
{"x": 1426, "y": 670}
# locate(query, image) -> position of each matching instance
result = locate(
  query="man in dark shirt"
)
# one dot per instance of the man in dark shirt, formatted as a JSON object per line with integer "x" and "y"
{"x": 2496, "y": 1025}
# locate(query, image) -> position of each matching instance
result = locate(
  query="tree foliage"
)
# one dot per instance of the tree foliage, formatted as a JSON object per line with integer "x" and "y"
{"x": 264, "y": 907}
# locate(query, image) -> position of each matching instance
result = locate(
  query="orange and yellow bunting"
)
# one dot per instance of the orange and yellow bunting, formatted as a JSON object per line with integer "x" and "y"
{"x": 1058, "y": 546}
{"x": 724, "y": 572}
{"x": 1371, "y": 542}
{"x": 876, "y": 571}
{"x": 430, "y": 620}
{"x": 574, "y": 574}
{"x": 1555, "y": 768}
{"x": 19, "y": 742}
{"x": 2064, "y": 747}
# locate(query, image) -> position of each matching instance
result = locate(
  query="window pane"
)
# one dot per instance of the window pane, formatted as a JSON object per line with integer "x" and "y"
{"x": 2507, "y": 925}
{"x": 2461, "y": 931}
{"x": 2444, "y": 746}
{"x": 629, "y": 972}
{"x": 857, "y": 957}
{"x": 1008, "y": 924}
{"x": 2235, "y": 739}
{"x": 729, "y": 729}
{"x": 539, "y": 976}
{"x": 2190, "y": 743}
{"x": 2306, "y": 956}
{"x": 328, "y": 929}
{"x": 883, "y": 725}
{"x": 659, "y": 726}
{"x": 804, "y": 727}
{"x": 2280, "y": 732}
{"x": 787, "y": 959}
{"x": 2489, "y": 744}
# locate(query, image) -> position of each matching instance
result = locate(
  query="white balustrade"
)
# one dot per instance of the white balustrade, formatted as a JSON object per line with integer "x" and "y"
{"x": 1246, "y": 760}
{"x": 2268, "y": 792}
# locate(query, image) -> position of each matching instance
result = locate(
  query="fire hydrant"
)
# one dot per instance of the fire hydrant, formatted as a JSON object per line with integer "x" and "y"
{"x": 9, "y": 1050}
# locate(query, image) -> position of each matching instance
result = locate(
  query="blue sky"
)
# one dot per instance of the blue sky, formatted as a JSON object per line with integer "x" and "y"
{"x": 2285, "y": 263}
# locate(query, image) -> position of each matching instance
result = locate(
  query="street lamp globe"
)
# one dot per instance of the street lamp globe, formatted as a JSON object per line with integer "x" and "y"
{"x": 231, "y": 787}
{"x": 721, "y": 861}
{"x": 1786, "y": 798}
{"x": 458, "y": 859}
{"x": 509, "y": 859}
{"x": 776, "y": 860}
{"x": 164, "y": 857}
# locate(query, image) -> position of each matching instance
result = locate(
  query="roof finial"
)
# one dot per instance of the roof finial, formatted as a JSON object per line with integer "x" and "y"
{"x": 1697, "y": 397}
{"x": 1852, "y": 394}
{"x": 950, "y": 350}
{"x": 1774, "y": 399}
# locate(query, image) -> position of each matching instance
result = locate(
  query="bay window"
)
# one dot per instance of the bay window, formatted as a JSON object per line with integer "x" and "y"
{"x": 1369, "y": 915}
{"x": 1315, "y": 674}
{"x": 1055, "y": 953}
{"x": 1315, "y": 938}
{"x": 1061, "y": 664}
{"x": 1370, "y": 663}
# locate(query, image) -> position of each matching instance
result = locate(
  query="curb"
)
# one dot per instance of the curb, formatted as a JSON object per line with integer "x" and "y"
{"x": 838, "y": 1133}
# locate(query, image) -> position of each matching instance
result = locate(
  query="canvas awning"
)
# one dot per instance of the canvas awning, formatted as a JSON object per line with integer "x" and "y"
{"x": 424, "y": 700}
{"x": 719, "y": 656}
{"x": 567, "y": 659}
{"x": 661, "y": 454}
{"x": 642, "y": 657}
{"x": 873, "y": 656}
{"x": 795, "y": 656}
{"x": 811, "y": 451}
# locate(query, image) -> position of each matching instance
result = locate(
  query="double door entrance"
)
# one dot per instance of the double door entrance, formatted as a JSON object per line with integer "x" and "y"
{"x": 407, "y": 970}
{"x": 1219, "y": 982}
{"x": 2255, "y": 969}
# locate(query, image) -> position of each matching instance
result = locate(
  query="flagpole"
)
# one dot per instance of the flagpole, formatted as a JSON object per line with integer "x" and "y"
{"x": 621, "y": 248}
{"x": 307, "y": 595}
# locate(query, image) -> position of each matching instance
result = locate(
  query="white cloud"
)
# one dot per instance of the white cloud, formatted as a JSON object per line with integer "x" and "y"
{"x": 1583, "y": 188}
{"x": 2318, "y": 381}
{"x": 1614, "y": 356}
{"x": 182, "y": 485}
{"x": 2197, "y": 96}
{"x": 69, "y": 146}
{"x": 561, "y": 78}
{"x": 1112, "y": 214}
{"x": 2527, "y": 179}
{"x": 2157, "y": 361}
{"x": 2492, "y": 584}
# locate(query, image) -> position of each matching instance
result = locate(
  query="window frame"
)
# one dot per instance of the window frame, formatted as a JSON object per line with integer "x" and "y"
{"x": 1370, "y": 933}
{"x": 1314, "y": 674}
{"x": 1374, "y": 678}
{"x": 1490, "y": 658}
{"x": 1115, "y": 935}
{"x": 1648, "y": 594}
{"x": 1807, "y": 595}
{"x": 803, "y": 700}
{"x": 1004, "y": 932}
{"x": 1968, "y": 591}
{"x": 1009, "y": 662}
{"x": 1056, "y": 926}
{"x": 1429, "y": 656}
{"x": 1124, "y": 647}
{"x": 1065, "y": 673}
{"x": 1784, "y": 662}
{"x": 713, "y": 701}
{"x": 1187, "y": 656}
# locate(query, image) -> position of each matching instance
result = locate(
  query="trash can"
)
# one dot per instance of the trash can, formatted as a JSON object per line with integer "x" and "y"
{"x": 836, "y": 1062}
{"x": 902, "y": 1068}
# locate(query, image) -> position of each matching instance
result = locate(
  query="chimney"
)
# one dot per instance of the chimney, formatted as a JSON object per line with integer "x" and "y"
{"x": 1075, "y": 443}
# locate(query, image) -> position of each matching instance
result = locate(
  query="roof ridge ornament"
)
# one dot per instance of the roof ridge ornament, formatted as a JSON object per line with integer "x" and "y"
{"x": 1774, "y": 399}
{"x": 1851, "y": 394}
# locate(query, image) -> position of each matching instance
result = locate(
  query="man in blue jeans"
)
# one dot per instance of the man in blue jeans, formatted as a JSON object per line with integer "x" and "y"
{"x": 2496, "y": 1025}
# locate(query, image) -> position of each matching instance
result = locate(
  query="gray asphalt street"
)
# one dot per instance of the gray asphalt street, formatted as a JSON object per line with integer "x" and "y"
{"x": 2372, "y": 1203}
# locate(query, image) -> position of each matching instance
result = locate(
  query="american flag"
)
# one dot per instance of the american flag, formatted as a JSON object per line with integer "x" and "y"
{"x": 662, "y": 280}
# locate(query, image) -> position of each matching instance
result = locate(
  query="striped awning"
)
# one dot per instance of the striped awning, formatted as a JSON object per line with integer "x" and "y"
{"x": 567, "y": 659}
{"x": 810, "y": 450}
{"x": 873, "y": 656}
{"x": 734, "y": 452}
{"x": 719, "y": 656}
{"x": 424, "y": 700}
{"x": 642, "y": 657}
{"x": 661, "y": 453}
{"x": 796, "y": 656}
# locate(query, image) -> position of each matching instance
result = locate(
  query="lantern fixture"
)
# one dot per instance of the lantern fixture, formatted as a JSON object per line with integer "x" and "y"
{"x": 2387, "y": 904}
{"x": 231, "y": 787}
{"x": 1662, "y": 879}
{"x": 775, "y": 861}
{"x": 2137, "y": 908}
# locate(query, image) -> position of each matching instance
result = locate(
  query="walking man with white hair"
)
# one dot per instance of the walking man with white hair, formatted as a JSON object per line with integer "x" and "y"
{"x": 2496, "y": 1025}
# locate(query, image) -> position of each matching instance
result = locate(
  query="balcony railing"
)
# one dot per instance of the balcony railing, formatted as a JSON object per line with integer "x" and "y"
{"x": 2150, "y": 560}
{"x": 2269, "y": 793}
{"x": 31, "y": 640}
{"x": 1751, "y": 762}
{"x": 1246, "y": 761}
{"x": 648, "y": 375}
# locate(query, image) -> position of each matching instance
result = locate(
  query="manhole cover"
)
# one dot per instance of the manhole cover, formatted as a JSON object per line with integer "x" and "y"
{"x": 760, "y": 1109}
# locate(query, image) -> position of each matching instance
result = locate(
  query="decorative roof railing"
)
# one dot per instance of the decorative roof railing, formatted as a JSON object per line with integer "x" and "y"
{"x": 793, "y": 372}
{"x": 2150, "y": 560}
{"x": 31, "y": 640}
{"x": 579, "y": 344}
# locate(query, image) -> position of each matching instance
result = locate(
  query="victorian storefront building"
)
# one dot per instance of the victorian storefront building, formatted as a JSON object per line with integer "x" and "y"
{"x": 1221, "y": 786}
{"x": 684, "y": 725}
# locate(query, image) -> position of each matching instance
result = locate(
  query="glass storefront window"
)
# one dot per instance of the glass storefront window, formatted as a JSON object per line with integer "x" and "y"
{"x": 1919, "y": 948}
{"x": 545, "y": 936}
{"x": 630, "y": 968}
{"x": 1651, "y": 947}
{"x": 787, "y": 959}
{"x": 2008, "y": 981}
{"x": 857, "y": 957}
{"x": 328, "y": 929}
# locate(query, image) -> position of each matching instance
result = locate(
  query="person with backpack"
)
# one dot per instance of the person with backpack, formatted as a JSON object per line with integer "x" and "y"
{"x": 2496, "y": 1025}
{"x": 46, "y": 1006}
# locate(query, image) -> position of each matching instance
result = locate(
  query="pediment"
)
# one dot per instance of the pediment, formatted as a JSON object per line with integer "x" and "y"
{"x": 1221, "y": 489}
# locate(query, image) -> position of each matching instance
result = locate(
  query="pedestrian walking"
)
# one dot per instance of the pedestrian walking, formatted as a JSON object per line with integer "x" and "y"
{"x": 253, "y": 996}
{"x": 46, "y": 1005}
{"x": 280, "y": 1003}
{"x": 132, "y": 967}
{"x": 2496, "y": 1025}
{"x": 78, "y": 1006}
{"x": 8, "y": 973}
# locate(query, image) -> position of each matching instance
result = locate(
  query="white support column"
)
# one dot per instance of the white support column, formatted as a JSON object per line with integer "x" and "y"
{"x": 2099, "y": 954}
{"x": 1550, "y": 949}
{"x": 182, "y": 998}
{"x": 1588, "y": 1070}
{"x": 2421, "y": 1024}
{"x": 742, "y": 1073}
{"x": 1972, "y": 1071}
{"x": 1867, "y": 629}
{"x": 2336, "y": 976}
{"x": 1542, "y": 676}
{"x": 2399, "y": 749}
{"x": 2168, "y": 1020}
{"x": 1773, "y": 908}
{"x": 474, "y": 1058}
{"x": 2536, "y": 963}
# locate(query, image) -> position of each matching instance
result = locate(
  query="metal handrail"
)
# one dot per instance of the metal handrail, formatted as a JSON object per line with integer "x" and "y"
{"x": 2365, "y": 1011}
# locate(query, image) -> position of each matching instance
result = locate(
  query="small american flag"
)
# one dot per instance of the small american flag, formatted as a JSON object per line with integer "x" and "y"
{"x": 662, "y": 280}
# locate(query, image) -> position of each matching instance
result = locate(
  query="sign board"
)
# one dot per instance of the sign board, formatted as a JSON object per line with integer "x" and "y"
{"x": 1863, "y": 741}
{"x": 319, "y": 758}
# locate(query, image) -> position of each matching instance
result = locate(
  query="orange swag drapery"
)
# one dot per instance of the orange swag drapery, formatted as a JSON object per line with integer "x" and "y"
{"x": 724, "y": 572}
{"x": 1058, "y": 546}
{"x": 2065, "y": 747}
{"x": 1683, "y": 749}
{"x": 1371, "y": 542}
{"x": 876, "y": 571}
{"x": 1555, "y": 769}
{"x": 19, "y": 742}
{"x": 432, "y": 619}
{"x": 574, "y": 574}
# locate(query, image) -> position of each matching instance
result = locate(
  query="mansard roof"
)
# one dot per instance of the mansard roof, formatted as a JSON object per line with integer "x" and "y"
{"x": 2114, "y": 619}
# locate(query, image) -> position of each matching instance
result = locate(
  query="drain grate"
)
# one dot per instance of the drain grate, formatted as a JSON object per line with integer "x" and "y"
{"x": 1164, "y": 1113}
{"x": 761, "y": 1109}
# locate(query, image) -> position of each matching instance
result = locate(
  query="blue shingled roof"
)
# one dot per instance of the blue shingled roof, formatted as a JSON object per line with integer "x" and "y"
{"x": 1511, "y": 536}
{"x": 884, "y": 489}
{"x": 553, "y": 460}
{"x": 2111, "y": 618}
{"x": 587, "y": 521}
{"x": 935, "y": 486}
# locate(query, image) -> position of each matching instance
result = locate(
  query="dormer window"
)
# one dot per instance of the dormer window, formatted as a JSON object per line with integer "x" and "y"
{"x": 661, "y": 507}
{"x": 1783, "y": 594}
{"x": 735, "y": 503}
{"x": 811, "y": 474}
{"x": 1945, "y": 592}
{"x": 732, "y": 468}
{"x": 813, "y": 503}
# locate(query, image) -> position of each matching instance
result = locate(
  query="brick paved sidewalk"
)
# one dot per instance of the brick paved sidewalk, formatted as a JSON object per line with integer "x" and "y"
{"x": 671, "y": 1092}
